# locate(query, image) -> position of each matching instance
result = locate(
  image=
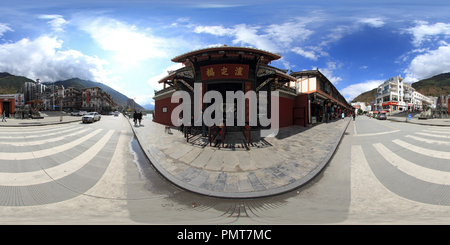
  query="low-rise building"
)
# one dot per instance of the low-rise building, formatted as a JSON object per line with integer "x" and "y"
{"x": 394, "y": 95}
{"x": 95, "y": 99}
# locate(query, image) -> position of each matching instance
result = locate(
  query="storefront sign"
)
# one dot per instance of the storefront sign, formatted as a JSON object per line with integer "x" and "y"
{"x": 224, "y": 71}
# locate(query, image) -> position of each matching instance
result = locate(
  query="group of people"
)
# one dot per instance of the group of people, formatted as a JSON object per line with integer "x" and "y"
{"x": 137, "y": 117}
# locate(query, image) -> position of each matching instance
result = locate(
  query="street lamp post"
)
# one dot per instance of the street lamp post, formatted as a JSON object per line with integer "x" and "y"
{"x": 61, "y": 96}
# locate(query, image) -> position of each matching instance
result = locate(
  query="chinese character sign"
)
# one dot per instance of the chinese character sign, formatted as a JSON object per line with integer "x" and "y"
{"x": 224, "y": 71}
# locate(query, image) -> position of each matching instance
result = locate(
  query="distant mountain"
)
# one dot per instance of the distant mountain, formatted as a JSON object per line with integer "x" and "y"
{"x": 149, "y": 106}
{"x": 118, "y": 97}
{"x": 10, "y": 84}
{"x": 434, "y": 86}
{"x": 366, "y": 97}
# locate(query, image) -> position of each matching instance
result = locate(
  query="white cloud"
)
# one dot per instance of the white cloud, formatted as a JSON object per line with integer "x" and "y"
{"x": 429, "y": 64}
{"x": 4, "y": 28}
{"x": 42, "y": 58}
{"x": 373, "y": 22}
{"x": 424, "y": 32}
{"x": 273, "y": 38}
{"x": 214, "y": 30}
{"x": 307, "y": 54}
{"x": 352, "y": 91}
{"x": 328, "y": 71}
{"x": 145, "y": 99}
{"x": 153, "y": 82}
{"x": 130, "y": 44}
{"x": 56, "y": 21}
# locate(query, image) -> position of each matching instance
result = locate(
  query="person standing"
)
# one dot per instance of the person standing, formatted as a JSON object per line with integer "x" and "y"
{"x": 4, "y": 116}
{"x": 354, "y": 114}
{"x": 180, "y": 122}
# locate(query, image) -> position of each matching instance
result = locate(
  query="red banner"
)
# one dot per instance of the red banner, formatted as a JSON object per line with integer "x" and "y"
{"x": 224, "y": 71}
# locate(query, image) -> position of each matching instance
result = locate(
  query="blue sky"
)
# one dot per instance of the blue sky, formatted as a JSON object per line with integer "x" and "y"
{"x": 129, "y": 45}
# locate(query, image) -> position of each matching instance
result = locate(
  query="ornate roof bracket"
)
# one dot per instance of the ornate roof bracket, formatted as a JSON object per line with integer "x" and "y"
{"x": 264, "y": 72}
{"x": 186, "y": 73}
{"x": 186, "y": 84}
{"x": 263, "y": 84}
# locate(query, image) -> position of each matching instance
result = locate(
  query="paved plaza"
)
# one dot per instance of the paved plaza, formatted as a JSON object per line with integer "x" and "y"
{"x": 275, "y": 165}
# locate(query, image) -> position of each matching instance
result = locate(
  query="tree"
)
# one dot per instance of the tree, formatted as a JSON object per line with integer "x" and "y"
{"x": 360, "y": 111}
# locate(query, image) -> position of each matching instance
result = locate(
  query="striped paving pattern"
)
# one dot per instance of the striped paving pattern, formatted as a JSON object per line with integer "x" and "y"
{"x": 416, "y": 167}
{"x": 42, "y": 165}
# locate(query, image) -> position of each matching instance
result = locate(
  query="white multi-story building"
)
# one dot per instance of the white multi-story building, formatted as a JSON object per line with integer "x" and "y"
{"x": 395, "y": 95}
{"x": 359, "y": 105}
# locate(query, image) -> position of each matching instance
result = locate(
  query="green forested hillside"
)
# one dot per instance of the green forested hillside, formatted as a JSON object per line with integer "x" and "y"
{"x": 435, "y": 86}
{"x": 10, "y": 84}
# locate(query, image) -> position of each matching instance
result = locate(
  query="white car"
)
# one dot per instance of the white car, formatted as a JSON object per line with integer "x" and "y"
{"x": 82, "y": 113}
{"x": 91, "y": 117}
{"x": 75, "y": 113}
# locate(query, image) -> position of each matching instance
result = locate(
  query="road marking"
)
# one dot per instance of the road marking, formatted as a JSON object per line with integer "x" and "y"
{"x": 387, "y": 126}
{"x": 423, "y": 151}
{"x": 411, "y": 169}
{"x": 434, "y": 135}
{"x": 39, "y": 142}
{"x": 380, "y": 133}
{"x": 37, "y": 130}
{"x": 46, "y": 152}
{"x": 36, "y": 134}
{"x": 428, "y": 140}
{"x": 56, "y": 172}
{"x": 439, "y": 132}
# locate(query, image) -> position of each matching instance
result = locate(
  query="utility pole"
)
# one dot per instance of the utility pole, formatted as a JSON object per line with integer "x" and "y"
{"x": 61, "y": 96}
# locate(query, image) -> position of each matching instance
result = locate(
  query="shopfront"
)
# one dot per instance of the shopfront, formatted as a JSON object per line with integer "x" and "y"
{"x": 7, "y": 104}
{"x": 230, "y": 71}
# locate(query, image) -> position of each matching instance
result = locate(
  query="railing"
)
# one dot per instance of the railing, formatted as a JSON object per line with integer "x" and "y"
{"x": 246, "y": 132}
{"x": 191, "y": 131}
{"x": 213, "y": 131}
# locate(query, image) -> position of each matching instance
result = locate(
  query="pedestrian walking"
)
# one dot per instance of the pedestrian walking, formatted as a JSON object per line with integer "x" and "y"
{"x": 140, "y": 117}
{"x": 343, "y": 115}
{"x": 4, "y": 116}
{"x": 353, "y": 116}
{"x": 135, "y": 118}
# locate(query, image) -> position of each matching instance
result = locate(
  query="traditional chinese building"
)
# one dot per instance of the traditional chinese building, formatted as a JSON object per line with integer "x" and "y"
{"x": 244, "y": 69}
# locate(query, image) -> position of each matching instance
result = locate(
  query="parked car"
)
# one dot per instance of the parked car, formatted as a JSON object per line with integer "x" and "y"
{"x": 381, "y": 116}
{"x": 91, "y": 117}
{"x": 82, "y": 113}
{"x": 75, "y": 113}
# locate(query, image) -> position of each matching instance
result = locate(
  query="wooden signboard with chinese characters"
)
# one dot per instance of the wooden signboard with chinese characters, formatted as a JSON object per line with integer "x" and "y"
{"x": 224, "y": 71}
